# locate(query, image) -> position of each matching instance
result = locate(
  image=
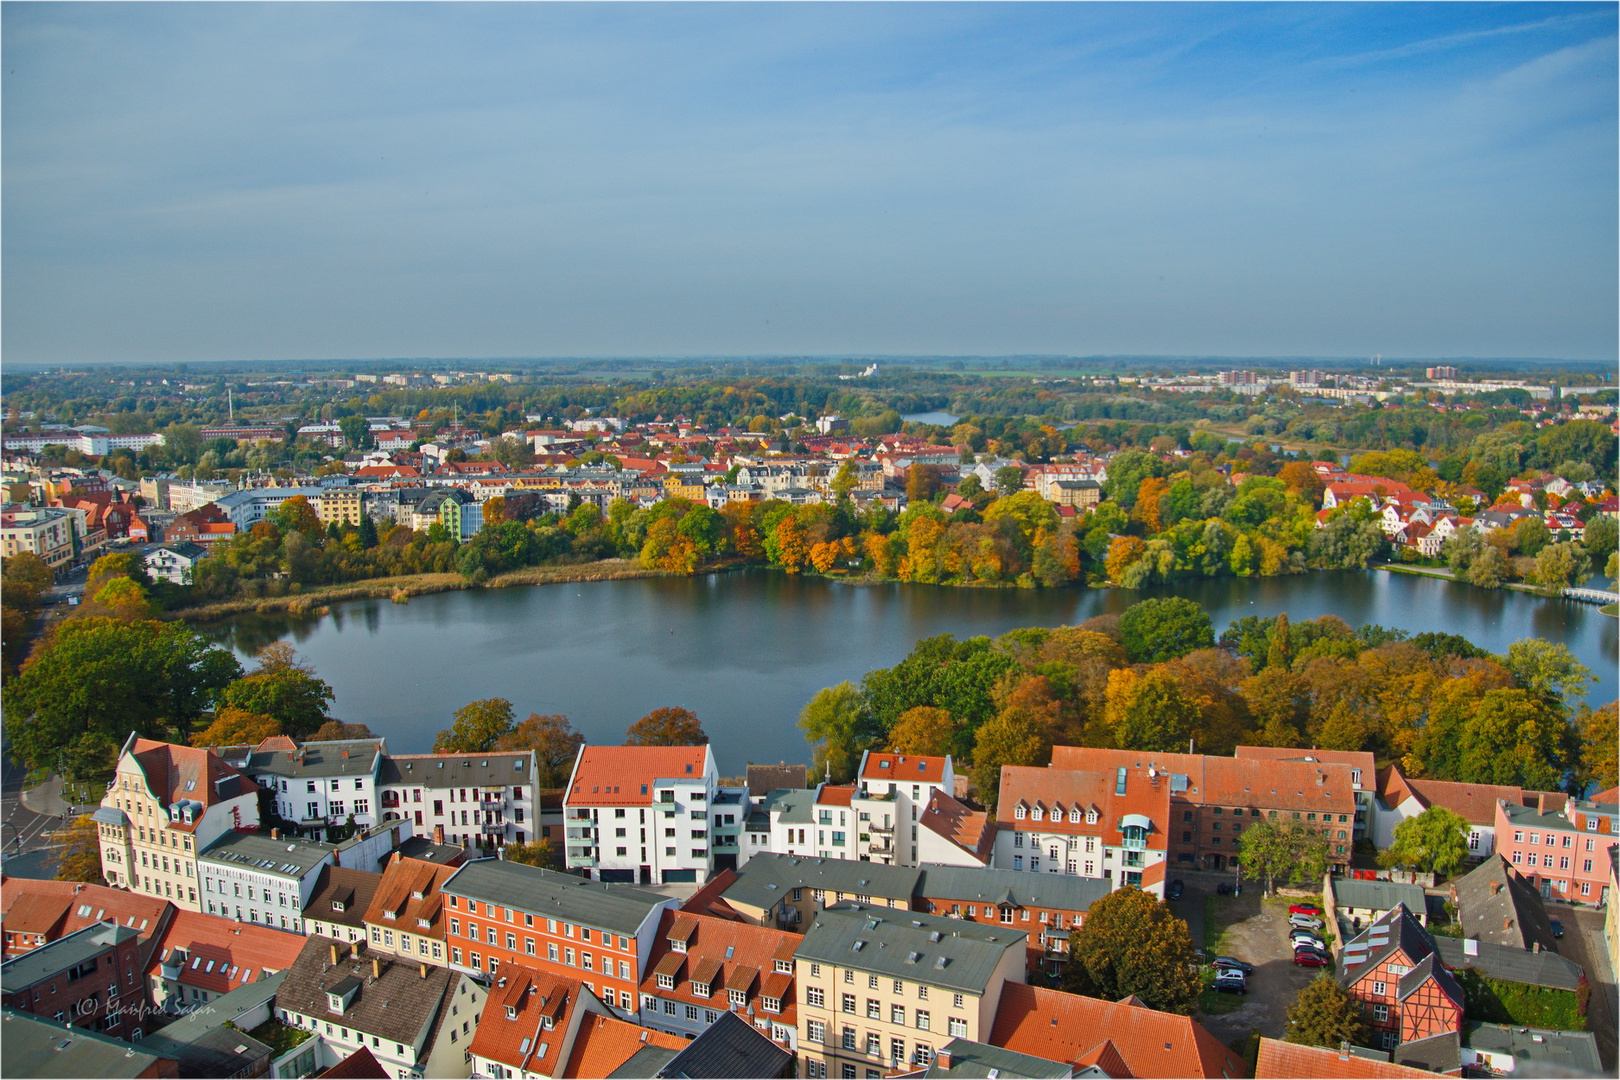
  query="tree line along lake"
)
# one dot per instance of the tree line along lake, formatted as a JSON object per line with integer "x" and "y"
{"x": 746, "y": 650}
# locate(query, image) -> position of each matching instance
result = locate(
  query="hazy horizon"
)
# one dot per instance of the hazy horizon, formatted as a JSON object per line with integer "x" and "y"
{"x": 201, "y": 183}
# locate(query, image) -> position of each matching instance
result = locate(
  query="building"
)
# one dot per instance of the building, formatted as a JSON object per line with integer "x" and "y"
{"x": 203, "y": 957}
{"x": 529, "y": 1024}
{"x": 1496, "y": 904}
{"x": 764, "y": 779}
{"x": 48, "y": 532}
{"x": 1564, "y": 853}
{"x": 1111, "y": 826}
{"x": 881, "y": 990}
{"x": 507, "y": 913}
{"x": 1363, "y": 775}
{"x": 728, "y": 1049}
{"x": 205, "y": 525}
{"x": 1401, "y": 797}
{"x": 212, "y": 1040}
{"x": 166, "y": 804}
{"x": 262, "y": 879}
{"x": 891, "y": 792}
{"x": 1394, "y": 970}
{"x": 480, "y": 801}
{"x": 337, "y": 907}
{"x": 173, "y": 562}
{"x": 1353, "y": 902}
{"x": 90, "y": 979}
{"x": 406, "y": 916}
{"x": 950, "y": 833}
{"x": 318, "y": 785}
{"x": 640, "y": 813}
{"x": 416, "y": 1019}
{"x": 605, "y": 1045}
{"x": 1090, "y": 1034}
{"x": 38, "y": 912}
{"x": 786, "y": 891}
{"x": 701, "y": 968}
{"x": 35, "y": 1047}
{"x": 1293, "y": 1061}
{"x": 1045, "y": 906}
{"x": 340, "y": 506}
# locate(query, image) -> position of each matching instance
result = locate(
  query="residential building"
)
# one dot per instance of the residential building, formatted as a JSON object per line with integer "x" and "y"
{"x": 951, "y": 834}
{"x": 1351, "y": 903}
{"x": 764, "y": 779}
{"x": 166, "y": 804}
{"x": 1363, "y": 775}
{"x": 416, "y": 1019}
{"x": 529, "y": 1023}
{"x": 1296, "y": 1061}
{"x": 833, "y": 833}
{"x": 782, "y": 822}
{"x": 507, "y": 913}
{"x": 1496, "y": 903}
{"x": 604, "y": 1045}
{"x": 964, "y": 1059}
{"x": 1088, "y": 1033}
{"x": 318, "y": 785}
{"x": 48, "y": 532}
{"x": 34, "y": 1047}
{"x": 701, "y": 968}
{"x": 892, "y": 790}
{"x": 1111, "y": 826}
{"x": 406, "y": 915}
{"x": 728, "y": 1049}
{"x": 881, "y": 990}
{"x": 786, "y": 891}
{"x": 213, "y": 1040}
{"x": 1401, "y": 797}
{"x": 206, "y": 526}
{"x": 90, "y": 979}
{"x": 38, "y": 912}
{"x": 1045, "y": 906}
{"x": 640, "y": 813}
{"x": 247, "y": 507}
{"x": 173, "y": 562}
{"x": 480, "y": 801}
{"x": 261, "y": 879}
{"x": 202, "y": 957}
{"x": 337, "y": 907}
{"x": 1563, "y": 853}
{"x": 1406, "y": 992}
{"x": 340, "y": 506}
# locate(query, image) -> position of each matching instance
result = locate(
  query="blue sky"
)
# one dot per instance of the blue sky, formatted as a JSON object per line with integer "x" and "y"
{"x": 241, "y": 181}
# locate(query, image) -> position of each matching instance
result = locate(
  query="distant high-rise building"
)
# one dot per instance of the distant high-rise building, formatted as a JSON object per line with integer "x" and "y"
{"x": 1441, "y": 372}
{"x": 1305, "y": 378}
{"x": 1236, "y": 378}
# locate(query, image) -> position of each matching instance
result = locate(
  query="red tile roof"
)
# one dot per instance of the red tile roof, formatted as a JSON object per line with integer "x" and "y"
{"x": 1230, "y": 781}
{"x": 359, "y": 1065}
{"x": 1358, "y": 759}
{"x": 408, "y": 894}
{"x": 1287, "y": 1061}
{"x": 222, "y": 954}
{"x": 187, "y": 772}
{"x": 969, "y": 830}
{"x": 910, "y": 768}
{"x": 835, "y": 795}
{"x": 626, "y": 775}
{"x": 1476, "y": 802}
{"x": 57, "y": 908}
{"x": 529, "y": 998}
{"x": 1056, "y": 791}
{"x": 1064, "y": 1027}
{"x": 729, "y": 956}
{"x": 603, "y": 1044}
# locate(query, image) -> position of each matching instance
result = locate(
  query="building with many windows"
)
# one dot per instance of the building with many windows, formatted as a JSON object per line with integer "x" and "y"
{"x": 318, "y": 785}
{"x": 891, "y": 793}
{"x": 641, "y": 813}
{"x": 882, "y": 990}
{"x": 91, "y": 978}
{"x": 701, "y": 968}
{"x": 262, "y": 879}
{"x": 406, "y": 915}
{"x": 1045, "y": 906}
{"x": 480, "y": 801}
{"x": 1564, "y": 854}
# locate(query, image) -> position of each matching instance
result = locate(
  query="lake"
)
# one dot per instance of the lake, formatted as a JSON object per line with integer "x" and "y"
{"x": 745, "y": 651}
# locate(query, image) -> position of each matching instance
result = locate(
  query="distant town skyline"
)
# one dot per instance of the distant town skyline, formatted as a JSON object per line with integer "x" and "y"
{"x": 253, "y": 182}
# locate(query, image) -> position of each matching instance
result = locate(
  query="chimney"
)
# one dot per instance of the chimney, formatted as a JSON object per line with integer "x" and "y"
{"x": 1535, "y": 947}
{"x": 1507, "y": 922}
{"x": 376, "y": 967}
{"x": 943, "y": 1059}
{"x": 354, "y": 949}
{"x": 334, "y": 955}
{"x": 345, "y": 753}
{"x": 1496, "y": 887}
{"x": 1541, "y": 802}
{"x": 422, "y": 970}
{"x": 275, "y": 834}
{"x": 1344, "y": 1051}
{"x": 438, "y": 834}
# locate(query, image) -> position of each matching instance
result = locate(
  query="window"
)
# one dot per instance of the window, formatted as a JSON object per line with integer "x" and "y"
{"x": 957, "y": 1027}
{"x": 817, "y": 1032}
{"x": 815, "y": 996}
{"x": 1380, "y": 1013}
{"x": 692, "y": 1012}
{"x": 874, "y": 1009}
{"x": 897, "y": 1015}
{"x": 956, "y": 1000}
{"x": 849, "y": 1038}
{"x": 849, "y": 1004}
{"x": 1380, "y": 987}
{"x": 897, "y": 1050}
{"x": 922, "y": 1020}
{"x": 871, "y": 982}
{"x": 874, "y": 1043}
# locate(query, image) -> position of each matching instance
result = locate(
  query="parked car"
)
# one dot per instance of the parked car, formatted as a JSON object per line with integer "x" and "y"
{"x": 1310, "y": 958}
{"x": 1305, "y": 909}
{"x": 1304, "y": 922}
{"x": 1557, "y": 927}
{"x": 1232, "y": 963}
{"x": 1305, "y": 937}
{"x": 1175, "y": 890}
{"x": 1231, "y": 981}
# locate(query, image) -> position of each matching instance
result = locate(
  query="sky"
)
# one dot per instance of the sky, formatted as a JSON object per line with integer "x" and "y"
{"x": 196, "y": 182}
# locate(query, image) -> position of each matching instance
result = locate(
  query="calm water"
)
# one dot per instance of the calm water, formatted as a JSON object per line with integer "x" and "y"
{"x": 746, "y": 651}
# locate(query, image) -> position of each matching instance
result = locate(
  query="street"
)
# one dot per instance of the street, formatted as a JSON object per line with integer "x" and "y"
{"x": 1583, "y": 943}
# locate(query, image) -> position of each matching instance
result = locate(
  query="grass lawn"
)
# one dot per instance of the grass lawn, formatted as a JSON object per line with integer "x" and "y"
{"x": 1220, "y": 912}
{"x": 279, "y": 1037}
{"x": 1211, "y": 1002}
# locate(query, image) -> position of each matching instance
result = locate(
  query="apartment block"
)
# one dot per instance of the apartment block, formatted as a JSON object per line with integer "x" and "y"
{"x": 481, "y": 801}
{"x": 641, "y": 813}
{"x": 1564, "y": 854}
{"x": 891, "y": 793}
{"x": 91, "y": 978}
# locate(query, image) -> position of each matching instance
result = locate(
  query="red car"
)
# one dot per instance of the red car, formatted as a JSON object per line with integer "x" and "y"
{"x": 1305, "y": 909}
{"x": 1310, "y": 958}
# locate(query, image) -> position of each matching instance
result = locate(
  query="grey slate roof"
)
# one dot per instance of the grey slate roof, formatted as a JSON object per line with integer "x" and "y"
{"x": 1573, "y": 1052}
{"x": 396, "y": 1008}
{"x": 644, "y": 1063}
{"x": 1513, "y": 915}
{"x": 978, "y": 886}
{"x": 1380, "y": 896}
{"x": 286, "y": 857}
{"x": 1511, "y": 965}
{"x": 420, "y": 847}
{"x": 1425, "y": 969}
{"x": 792, "y": 806}
{"x": 458, "y": 770}
{"x": 903, "y": 945}
{"x": 32, "y": 1047}
{"x": 1395, "y": 929}
{"x": 620, "y": 908}
{"x": 1438, "y": 1053}
{"x": 973, "y": 1060}
{"x": 46, "y": 961}
{"x": 318, "y": 759}
{"x": 766, "y": 878}
{"x": 729, "y": 1049}
{"x": 201, "y": 1042}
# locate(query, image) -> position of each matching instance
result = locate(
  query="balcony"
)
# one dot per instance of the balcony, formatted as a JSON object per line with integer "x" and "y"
{"x": 581, "y": 860}
{"x": 584, "y": 835}
{"x": 887, "y": 796}
{"x": 492, "y": 828}
{"x": 881, "y": 830}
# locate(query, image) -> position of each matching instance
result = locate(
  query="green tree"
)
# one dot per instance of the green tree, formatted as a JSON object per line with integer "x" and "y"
{"x": 80, "y": 852}
{"x": 1599, "y": 538}
{"x": 1283, "y": 849}
{"x": 1326, "y": 1014}
{"x": 1513, "y": 738}
{"x": 1435, "y": 841}
{"x": 356, "y": 431}
{"x": 1490, "y": 568}
{"x": 1130, "y": 943}
{"x": 538, "y": 853}
{"x": 1149, "y": 711}
{"x": 182, "y": 443}
{"x": 1164, "y": 628}
{"x": 1280, "y": 652}
{"x": 1548, "y": 670}
{"x": 844, "y": 481}
{"x": 1009, "y": 479}
{"x": 668, "y": 726}
{"x": 475, "y": 727}
{"x": 1558, "y": 566}
{"x": 838, "y": 728}
{"x": 1020, "y": 734}
{"x": 555, "y": 744}
{"x": 284, "y": 689}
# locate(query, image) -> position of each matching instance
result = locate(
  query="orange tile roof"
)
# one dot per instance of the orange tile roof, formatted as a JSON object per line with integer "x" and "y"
{"x": 58, "y": 908}
{"x": 1357, "y": 759}
{"x": 1231, "y": 781}
{"x": 359, "y": 1065}
{"x": 524, "y": 1042}
{"x": 1056, "y": 791}
{"x": 1064, "y": 1027}
{"x": 831, "y": 795}
{"x": 625, "y": 775}
{"x": 1286, "y": 1061}
{"x": 408, "y": 895}
{"x": 176, "y": 772}
{"x": 911, "y": 768}
{"x": 728, "y": 956}
{"x": 1476, "y": 802}
{"x": 969, "y": 830}
{"x": 604, "y": 1043}
{"x": 222, "y": 954}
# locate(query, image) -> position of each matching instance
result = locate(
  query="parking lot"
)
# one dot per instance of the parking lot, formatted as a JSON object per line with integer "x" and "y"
{"x": 1254, "y": 932}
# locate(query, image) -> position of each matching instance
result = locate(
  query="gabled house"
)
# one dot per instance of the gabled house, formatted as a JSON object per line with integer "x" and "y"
{"x": 640, "y": 814}
{"x": 529, "y": 1023}
{"x": 201, "y": 957}
{"x": 952, "y": 834}
{"x": 891, "y": 792}
{"x": 406, "y": 916}
{"x": 1394, "y": 970}
{"x": 701, "y": 968}
{"x": 337, "y": 908}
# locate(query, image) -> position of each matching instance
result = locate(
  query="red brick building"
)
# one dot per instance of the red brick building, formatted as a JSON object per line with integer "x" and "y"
{"x": 91, "y": 978}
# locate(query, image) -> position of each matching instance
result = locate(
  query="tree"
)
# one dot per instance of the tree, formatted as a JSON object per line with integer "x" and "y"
{"x": 80, "y": 858}
{"x": 356, "y": 431}
{"x": 668, "y": 726}
{"x": 118, "y": 565}
{"x": 1597, "y": 730}
{"x": 1280, "y": 652}
{"x": 1020, "y": 734}
{"x": 1009, "y": 479}
{"x": 1436, "y": 842}
{"x": 1558, "y": 566}
{"x": 924, "y": 730}
{"x": 1130, "y": 943}
{"x": 284, "y": 689}
{"x": 838, "y": 727}
{"x": 233, "y": 727}
{"x": 1149, "y": 711}
{"x": 1548, "y": 670}
{"x": 1164, "y": 628}
{"x": 539, "y": 853}
{"x": 1283, "y": 849}
{"x": 297, "y": 515}
{"x": 555, "y": 744}
{"x": 475, "y": 727}
{"x": 1326, "y": 1014}
{"x": 1513, "y": 738}
{"x": 1599, "y": 538}
{"x": 922, "y": 483}
{"x": 121, "y": 599}
{"x": 338, "y": 731}
{"x": 1490, "y": 568}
